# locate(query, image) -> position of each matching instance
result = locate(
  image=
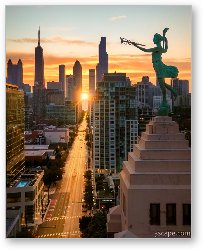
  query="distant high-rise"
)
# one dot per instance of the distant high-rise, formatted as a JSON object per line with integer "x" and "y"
{"x": 77, "y": 78}
{"x": 102, "y": 66}
{"x": 15, "y": 73}
{"x": 55, "y": 96}
{"x": 62, "y": 76}
{"x": 26, "y": 88}
{"x": 39, "y": 91}
{"x": 182, "y": 89}
{"x": 144, "y": 91}
{"x": 39, "y": 62}
{"x": 181, "y": 86}
{"x": 39, "y": 102}
{"x": 54, "y": 85}
{"x": 115, "y": 122}
{"x": 91, "y": 81}
{"x": 69, "y": 88}
{"x": 15, "y": 125}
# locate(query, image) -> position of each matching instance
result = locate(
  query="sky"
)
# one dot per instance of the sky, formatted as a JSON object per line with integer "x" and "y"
{"x": 73, "y": 32}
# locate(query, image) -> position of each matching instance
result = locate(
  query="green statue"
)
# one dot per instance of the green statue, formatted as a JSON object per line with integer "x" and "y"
{"x": 162, "y": 71}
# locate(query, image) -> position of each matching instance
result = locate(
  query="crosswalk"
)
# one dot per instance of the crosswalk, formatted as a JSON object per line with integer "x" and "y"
{"x": 61, "y": 235}
{"x": 62, "y": 218}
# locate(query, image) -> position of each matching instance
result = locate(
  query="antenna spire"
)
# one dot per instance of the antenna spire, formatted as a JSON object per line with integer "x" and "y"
{"x": 39, "y": 36}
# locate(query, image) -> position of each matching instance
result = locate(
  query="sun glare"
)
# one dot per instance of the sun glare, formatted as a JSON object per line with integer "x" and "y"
{"x": 84, "y": 96}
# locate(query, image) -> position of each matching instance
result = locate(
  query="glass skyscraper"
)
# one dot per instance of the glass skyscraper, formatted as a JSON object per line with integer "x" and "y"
{"x": 15, "y": 123}
{"x": 102, "y": 66}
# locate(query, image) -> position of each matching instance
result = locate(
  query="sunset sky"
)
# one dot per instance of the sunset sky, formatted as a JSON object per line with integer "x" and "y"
{"x": 70, "y": 33}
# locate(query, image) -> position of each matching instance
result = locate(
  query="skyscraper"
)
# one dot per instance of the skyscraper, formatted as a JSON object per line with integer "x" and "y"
{"x": 91, "y": 81}
{"x": 15, "y": 73}
{"x": 115, "y": 122}
{"x": 182, "y": 89}
{"x": 181, "y": 86}
{"x": 69, "y": 87}
{"x": 102, "y": 66}
{"x": 62, "y": 75}
{"x": 15, "y": 123}
{"x": 39, "y": 62}
{"x": 39, "y": 102}
{"x": 77, "y": 78}
{"x": 39, "y": 91}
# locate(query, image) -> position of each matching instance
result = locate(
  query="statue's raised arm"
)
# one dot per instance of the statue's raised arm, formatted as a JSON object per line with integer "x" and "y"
{"x": 162, "y": 71}
{"x": 143, "y": 49}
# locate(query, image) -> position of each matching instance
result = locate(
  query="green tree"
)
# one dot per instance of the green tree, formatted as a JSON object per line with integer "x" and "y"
{"x": 24, "y": 233}
{"x": 88, "y": 175}
{"x": 84, "y": 222}
{"x": 51, "y": 175}
{"x": 95, "y": 227}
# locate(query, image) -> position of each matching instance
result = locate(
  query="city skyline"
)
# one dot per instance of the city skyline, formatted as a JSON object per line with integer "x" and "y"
{"x": 64, "y": 38}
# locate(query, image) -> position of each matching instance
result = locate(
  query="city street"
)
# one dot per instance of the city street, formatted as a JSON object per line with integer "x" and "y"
{"x": 62, "y": 219}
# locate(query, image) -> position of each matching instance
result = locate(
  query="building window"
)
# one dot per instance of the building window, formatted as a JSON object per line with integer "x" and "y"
{"x": 29, "y": 196}
{"x": 29, "y": 214}
{"x": 154, "y": 214}
{"x": 186, "y": 214}
{"x": 171, "y": 214}
{"x": 13, "y": 197}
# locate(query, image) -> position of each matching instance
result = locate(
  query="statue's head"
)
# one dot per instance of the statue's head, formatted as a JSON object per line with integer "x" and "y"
{"x": 157, "y": 38}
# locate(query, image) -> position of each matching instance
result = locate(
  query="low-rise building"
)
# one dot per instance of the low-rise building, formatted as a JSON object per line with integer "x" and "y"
{"x": 38, "y": 153}
{"x": 56, "y": 135}
{"x": 35, "y": 156}
{"x": 36, "y": 147}
{"x": 26, "y": 193}
{"x": 34, "y": 137}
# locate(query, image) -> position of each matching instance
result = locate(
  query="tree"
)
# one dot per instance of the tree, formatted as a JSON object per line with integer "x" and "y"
{"x": 84, "y": 222}
{"x": 24, "y": 233}
{"x": 88, "y": 175}
{"x": 51, "y": 175}
{"x": 48, "y": 179}
{"x": 95, "y": 226}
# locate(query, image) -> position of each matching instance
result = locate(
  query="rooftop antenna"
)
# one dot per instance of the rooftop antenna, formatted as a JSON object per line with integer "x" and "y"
{"x": 39, "y": 36}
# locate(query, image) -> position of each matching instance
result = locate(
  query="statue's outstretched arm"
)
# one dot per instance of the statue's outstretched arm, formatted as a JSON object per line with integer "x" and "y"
{"x": 143, "y": 49}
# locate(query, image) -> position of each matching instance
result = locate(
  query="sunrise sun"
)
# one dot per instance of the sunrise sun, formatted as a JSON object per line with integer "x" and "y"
{"x": 84, "y": 96}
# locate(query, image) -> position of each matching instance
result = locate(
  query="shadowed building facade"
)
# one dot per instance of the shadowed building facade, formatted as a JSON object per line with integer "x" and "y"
{"x": 62, "y": 77}
{"x": 15, "y": 73}
{"x": 77, "y": 80}
{"x": 91, "y": 82}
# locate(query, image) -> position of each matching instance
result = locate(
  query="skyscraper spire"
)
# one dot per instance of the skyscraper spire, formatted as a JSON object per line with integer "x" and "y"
{"x": 39, "y": 36}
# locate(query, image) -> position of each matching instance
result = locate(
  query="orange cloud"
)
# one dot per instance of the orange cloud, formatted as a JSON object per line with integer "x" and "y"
{"x": 54, "y": 40}
{"x": 135, "y": 66}
{"x": 114, "y": 18}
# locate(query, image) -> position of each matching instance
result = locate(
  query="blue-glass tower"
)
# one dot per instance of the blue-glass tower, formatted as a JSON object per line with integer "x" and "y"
{"x": 102, "y": 66}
